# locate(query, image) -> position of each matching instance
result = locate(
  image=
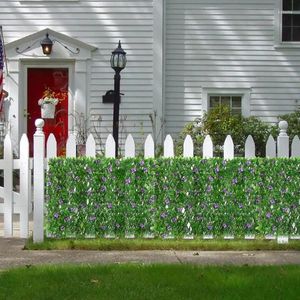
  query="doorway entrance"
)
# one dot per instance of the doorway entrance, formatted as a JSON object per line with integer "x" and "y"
{"x": 54, "y": 83}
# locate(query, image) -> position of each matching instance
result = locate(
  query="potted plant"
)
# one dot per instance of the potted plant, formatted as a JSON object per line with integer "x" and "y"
{"x": 48, "y": 103}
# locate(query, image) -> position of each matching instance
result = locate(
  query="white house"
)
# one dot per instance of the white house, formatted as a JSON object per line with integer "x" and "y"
{"x": 183, "y": 58}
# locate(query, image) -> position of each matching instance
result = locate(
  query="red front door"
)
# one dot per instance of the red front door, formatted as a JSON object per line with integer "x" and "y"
{"x": 55, "y": 81}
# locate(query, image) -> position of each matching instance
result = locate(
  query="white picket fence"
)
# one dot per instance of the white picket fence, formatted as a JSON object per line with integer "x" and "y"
{"x": 16, "y": 202}
{"x": 20, "y": 203}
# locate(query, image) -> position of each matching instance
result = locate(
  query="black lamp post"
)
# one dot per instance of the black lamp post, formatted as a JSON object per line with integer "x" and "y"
{"x": 118, "y": 63}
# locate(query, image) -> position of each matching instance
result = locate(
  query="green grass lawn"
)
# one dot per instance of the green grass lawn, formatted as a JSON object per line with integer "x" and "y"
{"x": 130, "y": 281}
{"x": 160, "y": 244}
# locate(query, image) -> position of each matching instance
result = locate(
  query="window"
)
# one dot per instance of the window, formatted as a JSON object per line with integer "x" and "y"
{"x": 233, "y": 101}
{"x": 290, "y": 20}
{"x": 237, "y": 98}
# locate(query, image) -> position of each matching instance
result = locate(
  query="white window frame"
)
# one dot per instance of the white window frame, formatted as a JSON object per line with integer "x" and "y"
{"x": 243, "y": 92}
{"x": 278, "y": 30}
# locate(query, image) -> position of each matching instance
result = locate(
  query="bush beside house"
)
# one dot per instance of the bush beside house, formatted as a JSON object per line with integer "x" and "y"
{"x": 218, "y": 123}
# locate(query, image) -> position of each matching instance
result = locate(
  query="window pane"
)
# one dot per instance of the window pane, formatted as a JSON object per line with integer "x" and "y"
{"x": 225, "y": 100}
{"x": 236, "y": 111}
{"x": 287, "y": 4}
{"x": 296, "y": 5}
{"x": 286, "y": 34}
{"x": 214, "y": 101}
{"x": 296, "y": 34}
{"x": 236, "y": 101}
{"x": 296, "y": 20}
{"x": 287, "y": 20}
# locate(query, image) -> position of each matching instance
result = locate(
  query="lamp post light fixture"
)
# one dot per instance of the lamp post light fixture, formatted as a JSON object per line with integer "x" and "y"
{"x": 118, "y": 63}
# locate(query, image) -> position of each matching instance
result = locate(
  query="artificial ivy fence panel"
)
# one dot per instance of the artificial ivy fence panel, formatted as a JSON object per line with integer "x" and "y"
{"x": 173, "y": 197}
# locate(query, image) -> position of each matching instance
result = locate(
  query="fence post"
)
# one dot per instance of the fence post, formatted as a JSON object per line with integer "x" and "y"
{"x": 283, "y": 140}
{"x": 39, "y": 179}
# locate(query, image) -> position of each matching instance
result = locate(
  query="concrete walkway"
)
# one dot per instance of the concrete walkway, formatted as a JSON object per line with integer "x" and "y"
{"x": 12, "y": 255}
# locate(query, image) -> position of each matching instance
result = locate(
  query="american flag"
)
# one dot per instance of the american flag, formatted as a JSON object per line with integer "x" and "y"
{"x": 2, "y": 93}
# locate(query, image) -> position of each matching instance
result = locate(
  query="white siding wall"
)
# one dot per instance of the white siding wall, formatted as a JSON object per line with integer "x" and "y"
{"x": 100, "y": 24}
{"x": 211, "y": 44}
{"x": 226, "y": 44}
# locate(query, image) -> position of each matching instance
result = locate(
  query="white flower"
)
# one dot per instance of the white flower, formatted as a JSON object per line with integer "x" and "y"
{"x": 47, "y": 100}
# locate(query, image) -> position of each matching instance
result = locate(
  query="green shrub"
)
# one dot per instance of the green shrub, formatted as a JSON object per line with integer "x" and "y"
{"x": 173, "y": 196}
{"x": 218, "y": 123}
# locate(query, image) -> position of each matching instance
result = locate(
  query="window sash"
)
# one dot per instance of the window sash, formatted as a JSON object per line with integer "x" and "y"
{"x": 290, "y": 26}
{"x": 290, "y": 5}
{"x": 234, "y": 102}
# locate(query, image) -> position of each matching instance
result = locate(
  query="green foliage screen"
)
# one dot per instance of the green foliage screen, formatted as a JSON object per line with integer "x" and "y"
{"x": 176, "y": 197}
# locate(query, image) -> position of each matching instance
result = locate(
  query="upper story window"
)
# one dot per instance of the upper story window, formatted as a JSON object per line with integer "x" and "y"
{"x": 290, "y": 31}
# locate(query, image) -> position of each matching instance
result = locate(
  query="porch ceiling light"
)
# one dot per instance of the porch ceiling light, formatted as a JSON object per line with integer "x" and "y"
{"x": 118, "y": 59}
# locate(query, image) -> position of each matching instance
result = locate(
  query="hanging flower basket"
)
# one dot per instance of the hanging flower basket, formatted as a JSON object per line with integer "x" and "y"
{"x": 48, "y": 107}
{"x": 48, "y": 102}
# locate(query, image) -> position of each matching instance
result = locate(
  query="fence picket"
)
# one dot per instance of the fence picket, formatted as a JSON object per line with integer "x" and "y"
{"x": 168, "y": 146}
{"x": 90, "y": 148}
{"x": 25, "y": 186}
{"x": 71, "y": 146}
{"x": 249, "y": 147}
{"x": 188, "y": 147}
{"x": 8, "y": 187}
{"x": 208, "y": 147}
{"x": 295, "y": 147}
{"x": 110, "y": 147}
{"x": 271, "y": 147}
{"x": 149, "y": 147}
{"x": 129, "y": 146}
{"x": 228, "y": 148}
{"x": 51, "y": 146}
